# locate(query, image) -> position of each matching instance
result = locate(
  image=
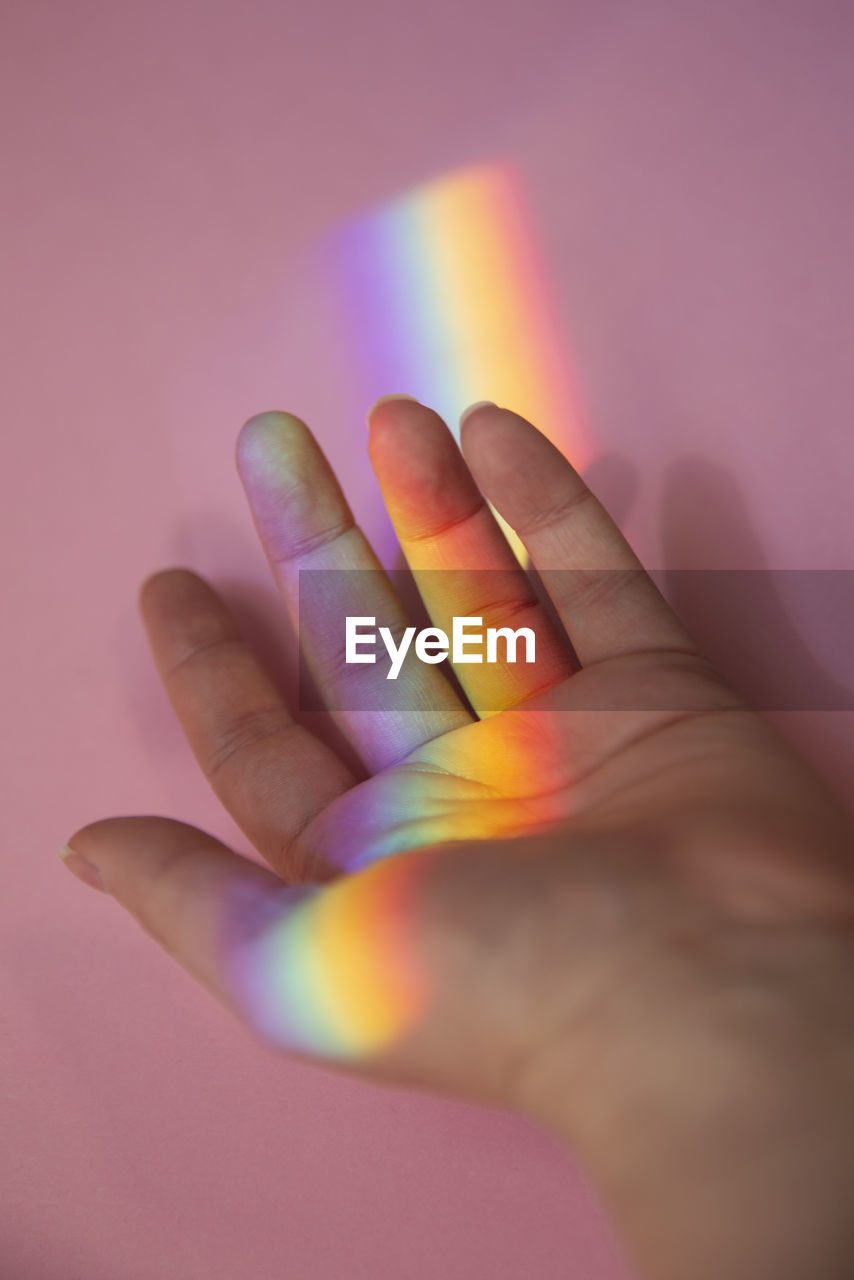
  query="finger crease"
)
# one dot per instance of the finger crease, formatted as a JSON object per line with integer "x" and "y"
{"x": 439, "y": 531}
{"x": 221, "y": 642}
{"x": 247, "y": 732}
{"x": 314, "y": 542}
{"x": 546, "y": 519}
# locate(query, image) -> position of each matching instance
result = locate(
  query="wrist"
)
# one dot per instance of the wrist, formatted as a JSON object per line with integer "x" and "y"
{"x": 720, "y": 1138}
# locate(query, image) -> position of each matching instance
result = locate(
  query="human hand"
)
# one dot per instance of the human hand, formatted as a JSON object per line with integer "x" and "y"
{"x": 621, "y": 904}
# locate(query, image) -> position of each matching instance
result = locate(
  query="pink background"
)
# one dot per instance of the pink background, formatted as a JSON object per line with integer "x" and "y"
{"x": 690, "y": 166}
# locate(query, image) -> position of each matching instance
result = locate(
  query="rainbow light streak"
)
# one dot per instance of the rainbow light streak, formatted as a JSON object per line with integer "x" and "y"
{"x": 440, "y": 293}
{"x": 333, "y": 972}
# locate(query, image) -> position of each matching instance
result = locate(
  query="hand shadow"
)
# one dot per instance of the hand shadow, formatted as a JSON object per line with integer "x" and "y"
{"x": 615, "y": 483}
{"x": 740, "y": 615}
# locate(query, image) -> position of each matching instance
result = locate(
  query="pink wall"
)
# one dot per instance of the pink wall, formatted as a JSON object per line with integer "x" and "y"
{"x": 164, "y": 163}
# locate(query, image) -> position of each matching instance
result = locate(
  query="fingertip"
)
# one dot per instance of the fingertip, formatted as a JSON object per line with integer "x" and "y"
{"x": 169, "y": 577}
{"x": 84, "y": 870}
{"x": 138, "y": 853}
{"x": 393, "y": 397}
{"x": 404, "y": 437}
{"x": 267, "y": 433}
{"x": 85, "y": 839}
{"x": 137, "y": 830}
{"x": 475, "y": 408}
{"x": 482, "y": 423}
{"x": 422, "y": 475}
{"x": 388, "y": 418}
{"x": 497, "y": 436}
{"x": 85, "y": 852}
{"x": 268, "y": 420}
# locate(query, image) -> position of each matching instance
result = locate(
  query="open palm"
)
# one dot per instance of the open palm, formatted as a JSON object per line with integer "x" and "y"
{"x": 618, "y": 901}
{"x": 620, "y": 760}
{"x": 646, "y": 722}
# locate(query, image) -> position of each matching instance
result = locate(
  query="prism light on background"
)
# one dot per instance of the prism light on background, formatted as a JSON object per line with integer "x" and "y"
{"x": 443, "y": 293}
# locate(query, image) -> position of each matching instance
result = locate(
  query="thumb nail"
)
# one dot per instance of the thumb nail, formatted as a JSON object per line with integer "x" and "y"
{"x": 82, "y": 868}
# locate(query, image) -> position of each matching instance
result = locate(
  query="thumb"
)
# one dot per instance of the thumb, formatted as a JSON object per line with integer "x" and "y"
{"x": 425, "y": 969}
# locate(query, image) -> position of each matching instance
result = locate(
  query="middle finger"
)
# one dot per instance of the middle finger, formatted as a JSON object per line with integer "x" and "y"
{"x": 462, "y": 563}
